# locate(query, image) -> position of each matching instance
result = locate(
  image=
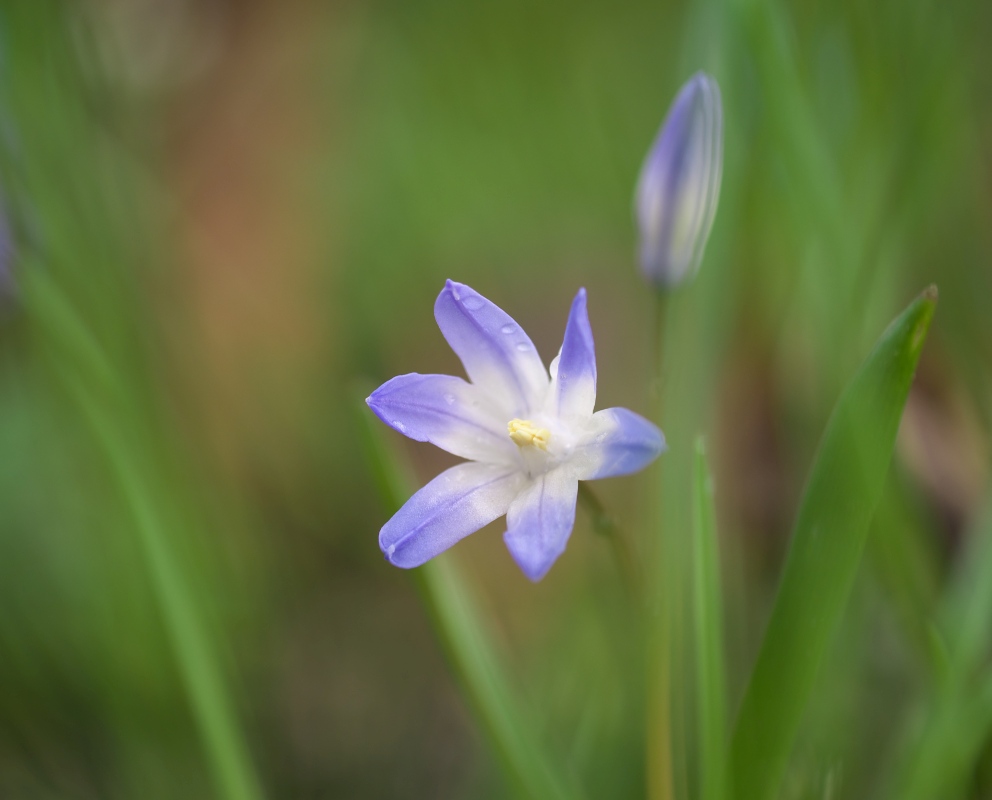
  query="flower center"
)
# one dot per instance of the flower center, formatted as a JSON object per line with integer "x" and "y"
{"x": 526, "y": 434}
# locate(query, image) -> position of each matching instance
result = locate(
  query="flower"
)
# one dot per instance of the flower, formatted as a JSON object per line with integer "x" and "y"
{"x": 680, "y": 183}
{"x": 530, "y": 437}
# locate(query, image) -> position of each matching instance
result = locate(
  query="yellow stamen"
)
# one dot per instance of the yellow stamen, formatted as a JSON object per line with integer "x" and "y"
{"x": 525, "y": 434}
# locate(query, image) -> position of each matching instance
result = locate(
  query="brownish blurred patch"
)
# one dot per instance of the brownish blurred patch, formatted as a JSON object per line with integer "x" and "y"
{"x": 251, "y": 136}
{"x": 759, "y": 487}
{"x": 944, "y": 445}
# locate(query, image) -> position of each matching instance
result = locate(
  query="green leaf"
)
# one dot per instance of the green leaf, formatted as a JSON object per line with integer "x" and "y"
{"x": 843, "y": 489}
{"x": 464, "y": 634}
{"x": 711, "y": 699}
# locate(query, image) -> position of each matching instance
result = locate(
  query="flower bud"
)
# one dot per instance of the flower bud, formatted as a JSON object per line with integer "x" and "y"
{"x": 679, "y": 184}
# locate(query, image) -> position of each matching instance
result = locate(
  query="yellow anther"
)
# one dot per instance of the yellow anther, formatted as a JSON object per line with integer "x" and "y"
{"x": 525, "y": 434}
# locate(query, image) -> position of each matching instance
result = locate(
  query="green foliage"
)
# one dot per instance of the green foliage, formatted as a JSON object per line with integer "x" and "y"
{"x": 953, "y": 722}
{"x": 82, "y": 319}
{"x": 193, "y": 594}
{"x": 844, "y": 487}
{"x": 711, "y": 703}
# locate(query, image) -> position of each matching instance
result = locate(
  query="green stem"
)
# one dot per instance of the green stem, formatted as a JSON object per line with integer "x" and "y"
{"x": 464, "y": 634}
{"x": 710, "y": 678}
{"x": 605, "y": 525}
{"x": 660, "y": 773}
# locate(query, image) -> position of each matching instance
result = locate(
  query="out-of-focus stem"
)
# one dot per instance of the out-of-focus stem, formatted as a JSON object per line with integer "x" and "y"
{"x": 659, "y": 766}
{"x": 605, "y": 525}
{"x": 463, "y": 632}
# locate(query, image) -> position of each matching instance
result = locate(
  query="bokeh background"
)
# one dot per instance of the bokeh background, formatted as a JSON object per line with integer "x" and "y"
{"x": 227, "y": 220}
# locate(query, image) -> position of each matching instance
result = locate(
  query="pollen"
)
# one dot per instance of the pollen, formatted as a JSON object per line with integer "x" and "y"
{"x": 525, "y": 434}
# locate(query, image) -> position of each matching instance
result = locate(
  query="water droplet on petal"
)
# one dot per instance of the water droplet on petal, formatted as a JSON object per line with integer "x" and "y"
{"x": 473, "y": 302}
{"x": 391, "y": 549}
{"x": 508, "y": 329}
{"x": 449, "y": 399}
{"x": 399, "y": 426}
{"x": 523, "y": 347}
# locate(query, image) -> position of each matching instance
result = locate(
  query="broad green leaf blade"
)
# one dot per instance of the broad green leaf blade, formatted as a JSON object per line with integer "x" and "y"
{"x": 711, "y": 702}
{"x": 843, "y": 488}
{"x": 463, "y": 631}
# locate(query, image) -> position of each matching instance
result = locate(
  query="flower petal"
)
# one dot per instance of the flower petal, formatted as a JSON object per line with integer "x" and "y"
{"x": 495, "y": 351}
{"x": 447, "y": 412}
{"x": 617, "y": 442}
{"x": 456, "y": 503}
{"x": 540, "y": 521}
{"x": 574, "y": 373}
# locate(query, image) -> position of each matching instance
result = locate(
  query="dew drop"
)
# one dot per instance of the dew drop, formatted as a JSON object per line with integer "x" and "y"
{"x": 399, "y": 426}
{"x": 449, "y": 399}
{"x": 391, "y": 549}
{"x": 508, "y": 329}
{"x": 523, "y": 347}
{"x": 473, "y": 302}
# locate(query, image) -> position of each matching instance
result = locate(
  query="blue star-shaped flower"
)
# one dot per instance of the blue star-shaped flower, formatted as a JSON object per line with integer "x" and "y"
{"x": 530, "y": 437}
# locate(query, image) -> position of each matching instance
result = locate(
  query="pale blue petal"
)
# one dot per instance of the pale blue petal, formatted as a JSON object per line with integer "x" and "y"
{"x": 574, "y": 375}
{"x": 447, "y": 412}
{"x": 456, "y": 503}
{"x": 540, "y": 521}
{"x": 498, "y": 356}
{"x": 618, "y": 442}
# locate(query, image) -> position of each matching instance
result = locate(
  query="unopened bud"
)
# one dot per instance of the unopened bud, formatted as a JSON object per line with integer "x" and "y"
{"x": 680, "y": 183}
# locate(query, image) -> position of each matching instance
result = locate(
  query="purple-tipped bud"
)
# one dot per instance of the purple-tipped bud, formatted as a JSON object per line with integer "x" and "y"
{"x": 680, "y": 183}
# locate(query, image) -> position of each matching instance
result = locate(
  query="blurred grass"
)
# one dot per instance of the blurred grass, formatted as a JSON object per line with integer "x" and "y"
{"x": 89, "y": 342}
{"x": 844, "y": 486}
{"x": 496, "y": 144}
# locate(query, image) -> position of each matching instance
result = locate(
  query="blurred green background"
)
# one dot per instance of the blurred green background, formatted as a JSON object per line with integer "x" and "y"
{"x": 227, "y": 220}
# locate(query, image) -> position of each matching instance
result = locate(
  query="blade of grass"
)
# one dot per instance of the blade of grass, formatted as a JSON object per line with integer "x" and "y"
{"x": 710, "y": 680}
{"x": 132, "y": 452}
{"x": 843, "y": 489}
{"x": 966, "y": 614}
{"x": 74, "y": 197}
{"x": 938, "y": 755}
{"x": 463, "y": 632}
{"x": 900, "y": 552}
{"x": 942, "y": 751}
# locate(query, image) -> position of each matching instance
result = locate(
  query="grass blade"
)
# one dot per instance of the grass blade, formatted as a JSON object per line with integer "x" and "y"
{"x": 132, "y": 454}
{"x": 66, "y": 185}
{"x": 844, "y": 486}
{"x": 938, "y": 755}
{"x": 463, "y": 632}
{"x": 711, "y": 681}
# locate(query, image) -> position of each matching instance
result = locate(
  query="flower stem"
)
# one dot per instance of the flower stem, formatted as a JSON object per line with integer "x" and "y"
{"x": 605, "y": 525}
{"x": 465, "y": 635}
{"x": 660, "y": 773}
